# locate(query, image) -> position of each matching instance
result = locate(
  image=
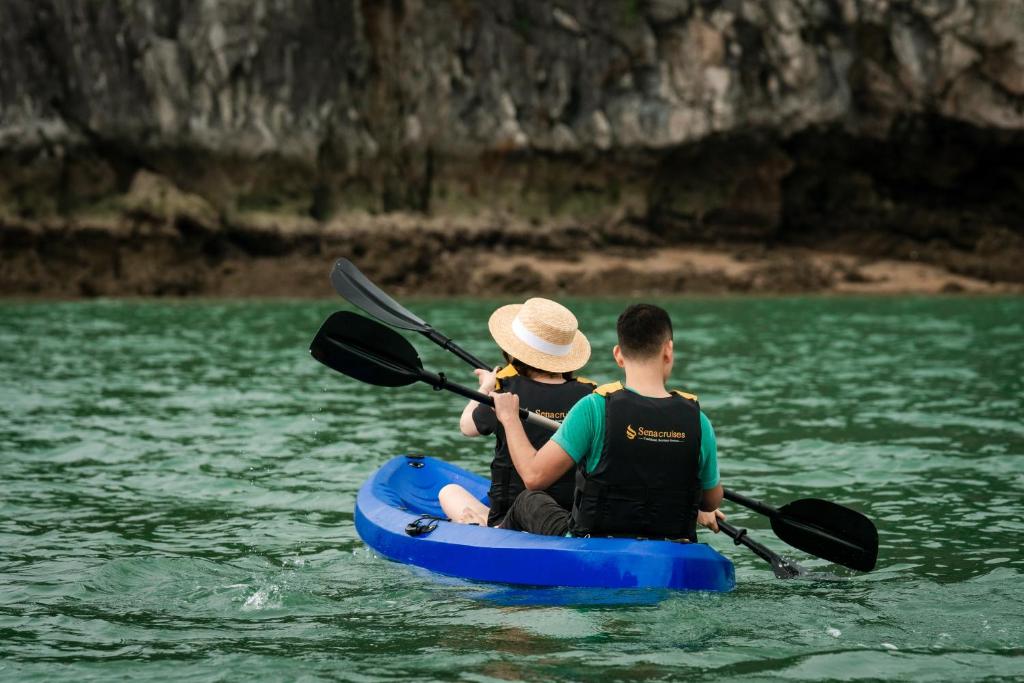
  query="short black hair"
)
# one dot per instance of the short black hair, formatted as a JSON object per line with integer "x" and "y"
{"x": 643, "y": 328}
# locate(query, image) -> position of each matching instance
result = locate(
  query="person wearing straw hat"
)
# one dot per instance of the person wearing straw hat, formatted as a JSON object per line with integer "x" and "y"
{"x": 543, "y": 346}
{"x": 645, "y": 458}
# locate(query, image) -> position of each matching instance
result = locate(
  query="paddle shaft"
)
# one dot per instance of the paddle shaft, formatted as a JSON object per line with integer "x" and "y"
{"x": 439, "y": 381}
{"x": 740, "y": 537}
{"x": 755, "y": 505}
{"x": 448, "y": 345}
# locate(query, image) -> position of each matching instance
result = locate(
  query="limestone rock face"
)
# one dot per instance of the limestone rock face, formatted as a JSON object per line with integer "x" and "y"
{"x": 884, "y": 124}
{"x": 294, "y": 77}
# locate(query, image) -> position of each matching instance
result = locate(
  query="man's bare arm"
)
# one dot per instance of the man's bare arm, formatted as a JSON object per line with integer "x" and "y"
{"x": 711, "y": 499}
{"x": 709, "y": 513}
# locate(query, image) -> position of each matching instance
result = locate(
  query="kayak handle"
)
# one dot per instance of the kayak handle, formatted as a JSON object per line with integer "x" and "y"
{"x": 423, "y": 525}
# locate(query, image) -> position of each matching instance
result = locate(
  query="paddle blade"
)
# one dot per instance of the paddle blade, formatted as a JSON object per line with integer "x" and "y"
{"x": 829, "y": 531}
{"x": 786, "y": 569}
{"x": 349, "y": 282}
{"x": 366, "y": 350}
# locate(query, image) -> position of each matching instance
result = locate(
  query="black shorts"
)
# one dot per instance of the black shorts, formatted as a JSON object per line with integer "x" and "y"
{"x": 538, "y": 513}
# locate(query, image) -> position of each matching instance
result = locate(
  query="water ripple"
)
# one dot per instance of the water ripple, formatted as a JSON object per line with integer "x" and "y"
{"x": 180, "y": 479}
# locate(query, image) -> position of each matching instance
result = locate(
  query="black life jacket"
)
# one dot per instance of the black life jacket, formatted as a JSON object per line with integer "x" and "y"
{"x": 647, "y": 482}
{"x": 550, "y": 400}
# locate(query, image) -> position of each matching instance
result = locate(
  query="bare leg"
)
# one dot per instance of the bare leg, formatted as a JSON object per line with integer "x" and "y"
{"x": 460, "y": 506}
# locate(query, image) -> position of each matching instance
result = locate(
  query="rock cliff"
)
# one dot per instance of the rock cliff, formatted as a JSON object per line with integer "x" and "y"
{"x": 218, "y": 127}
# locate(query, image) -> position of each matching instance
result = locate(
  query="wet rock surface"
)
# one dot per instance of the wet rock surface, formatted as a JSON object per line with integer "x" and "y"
{"x": 165, "y": 147}
{"x": 168, "y": 255}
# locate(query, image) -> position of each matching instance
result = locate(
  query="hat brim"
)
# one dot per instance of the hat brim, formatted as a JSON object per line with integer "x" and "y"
{"x": 500, "y": 325}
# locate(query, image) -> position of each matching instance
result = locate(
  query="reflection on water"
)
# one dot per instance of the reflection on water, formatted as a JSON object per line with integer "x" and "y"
{"x": 179, "y": 481}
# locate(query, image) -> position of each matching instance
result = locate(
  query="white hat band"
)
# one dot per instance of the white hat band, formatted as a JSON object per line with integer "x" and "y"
{"x": 536, "y": 343}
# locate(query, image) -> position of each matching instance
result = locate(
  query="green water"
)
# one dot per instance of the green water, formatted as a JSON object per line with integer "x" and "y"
{"x": 179, "y": 478}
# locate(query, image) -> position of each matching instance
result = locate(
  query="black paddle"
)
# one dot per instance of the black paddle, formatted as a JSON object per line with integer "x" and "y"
{"x": 822, "y": 528}
{"x": 817, "y": 527}
{"x": 783, "y": 568}
{"x": 372, "y": 353}
{"x": 349, "y": 282}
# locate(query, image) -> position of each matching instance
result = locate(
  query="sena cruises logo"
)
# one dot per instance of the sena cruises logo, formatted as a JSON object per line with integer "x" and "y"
{"x": 658, "y": 435}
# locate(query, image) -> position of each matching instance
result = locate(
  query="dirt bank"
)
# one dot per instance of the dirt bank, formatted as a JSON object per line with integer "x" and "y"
{"x": 179, "y": 252}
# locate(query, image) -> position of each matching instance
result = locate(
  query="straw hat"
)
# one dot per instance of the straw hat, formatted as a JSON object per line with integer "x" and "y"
{"x": 542, "y": 334}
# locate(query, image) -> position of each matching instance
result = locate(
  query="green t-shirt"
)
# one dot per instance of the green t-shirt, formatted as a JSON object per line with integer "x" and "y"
{"x": 582, "y": 437}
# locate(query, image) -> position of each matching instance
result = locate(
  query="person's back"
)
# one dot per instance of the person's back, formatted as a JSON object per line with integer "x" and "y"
{"x": 646, "y": 458}
{"x": 543, "y": 346}
{"x": 647, "y": 480}
{"x": 539, "y": 392}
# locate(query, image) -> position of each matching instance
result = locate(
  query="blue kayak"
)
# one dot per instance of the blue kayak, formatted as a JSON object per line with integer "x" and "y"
{"x": 395, "y": 513}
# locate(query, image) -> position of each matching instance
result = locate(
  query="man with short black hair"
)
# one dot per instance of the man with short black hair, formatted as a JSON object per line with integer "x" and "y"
{"x": 646, "y": 459}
